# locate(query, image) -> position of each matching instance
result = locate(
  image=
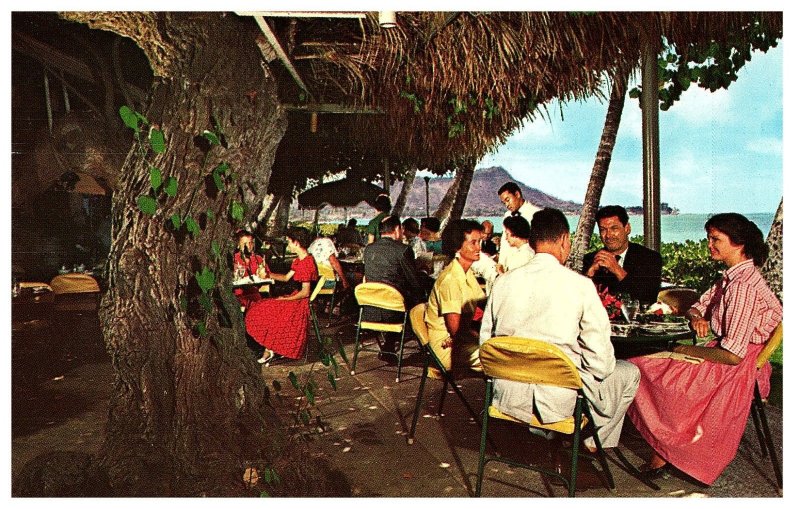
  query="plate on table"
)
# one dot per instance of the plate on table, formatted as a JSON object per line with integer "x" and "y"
{"x": 663, "y": 328}
{"x": 252, "y": 281}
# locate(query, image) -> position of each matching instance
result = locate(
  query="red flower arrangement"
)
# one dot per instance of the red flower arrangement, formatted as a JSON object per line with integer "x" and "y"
{"x": 612, "y": 304}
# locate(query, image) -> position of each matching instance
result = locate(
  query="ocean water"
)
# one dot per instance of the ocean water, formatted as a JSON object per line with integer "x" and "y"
{"x": 676, "y": 228}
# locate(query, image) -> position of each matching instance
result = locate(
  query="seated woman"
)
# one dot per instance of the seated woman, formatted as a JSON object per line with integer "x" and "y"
{"x": 455, "y": 296}
{"x": 247, "y": 263}
{"x": 279, "y": 324}
{"x": 517, "y": 230}
{"x": 694, "y": 415}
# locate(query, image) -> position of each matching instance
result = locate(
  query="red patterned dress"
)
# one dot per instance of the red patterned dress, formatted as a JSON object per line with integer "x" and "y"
{"x": 280, "y": 325}
{"x": 248, "y": 295}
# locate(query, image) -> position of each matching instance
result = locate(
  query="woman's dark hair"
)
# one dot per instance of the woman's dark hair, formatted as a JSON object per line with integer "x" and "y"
{"x": 411, "y": 225}
{"x": 742, "y": 232}
{"x": 299, "y": 235}
{"x": 430, "y": 224}
{"x": 455, "y": 233}
{"x": 518, "y": 226}
{"x": 383, "y": 203}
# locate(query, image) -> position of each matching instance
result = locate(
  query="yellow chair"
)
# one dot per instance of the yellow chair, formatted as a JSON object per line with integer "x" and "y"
{"x": 757, "y": 411}
{"x": 680, "y": 299}
{"x": 382, "y": 296}
{"x": 75, "y": 292}
{"x": 536, "y": 362}
{"x": 417, "y": 318}
{"x": 331, "y": 285}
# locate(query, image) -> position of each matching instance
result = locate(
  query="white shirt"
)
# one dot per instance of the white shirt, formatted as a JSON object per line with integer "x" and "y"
{"x": 485, "y": 268}
{"x": 547, "y": 301}
{"x": 321, "y": 249}
{"x": 518, "y": 256}
{"x": 526, "y": 210}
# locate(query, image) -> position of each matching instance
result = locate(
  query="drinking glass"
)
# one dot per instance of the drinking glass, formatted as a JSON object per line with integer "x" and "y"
{"x": 631, "y": 308}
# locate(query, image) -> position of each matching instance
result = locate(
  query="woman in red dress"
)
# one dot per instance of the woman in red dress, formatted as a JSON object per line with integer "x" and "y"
{"x": 247, "y": 263}
{"x": 279, "y": 324}
{"x": 694, "y": 415}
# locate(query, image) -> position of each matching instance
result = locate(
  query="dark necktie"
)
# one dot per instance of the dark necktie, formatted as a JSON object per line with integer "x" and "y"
{"x": 515, "y": 213}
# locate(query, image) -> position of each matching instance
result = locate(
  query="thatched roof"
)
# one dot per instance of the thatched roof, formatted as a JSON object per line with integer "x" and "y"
{"x": 453, "y": 86}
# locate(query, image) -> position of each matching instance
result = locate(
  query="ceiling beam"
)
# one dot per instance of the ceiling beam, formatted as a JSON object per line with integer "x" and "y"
{"x": 273, "y": 41}
{"x": 303, "y": 14}
{"x": 331, "y": 108}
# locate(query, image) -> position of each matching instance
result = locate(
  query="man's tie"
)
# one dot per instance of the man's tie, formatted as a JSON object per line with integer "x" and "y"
{"x": 515, "y": 213}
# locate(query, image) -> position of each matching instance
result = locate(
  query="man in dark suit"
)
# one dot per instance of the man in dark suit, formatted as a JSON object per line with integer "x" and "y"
{"x": 388, "y": 260}
{"x": 623, "y": 266}
{"x": 488, "y": 244}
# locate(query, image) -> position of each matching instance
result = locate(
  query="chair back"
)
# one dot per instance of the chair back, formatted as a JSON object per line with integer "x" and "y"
{"x": 772, "y": 343}
{"x": 380, "y": 295}
{"x": 529, "y": 361}
{"x": 326, "y": 271}
{"x": 418, "y": 325}
{"x": 318, "y": 288}
{"x": 680, "y": 299}
{"x": 74, "y": 283}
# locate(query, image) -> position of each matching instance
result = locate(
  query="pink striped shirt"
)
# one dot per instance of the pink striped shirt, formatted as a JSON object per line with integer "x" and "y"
{"x": 741, "y": 307}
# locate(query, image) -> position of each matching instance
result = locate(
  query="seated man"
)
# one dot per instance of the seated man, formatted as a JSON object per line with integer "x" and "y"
{"x": 623, "y": 266}
{"x": 518, "y": 251}
{"x": 388, "y": 260}
{"x": 411, "y": 237}
{"x": 488, "y": 244}
{"x": 429, "y": 233}
{"x": 349, "y": 235}
{"x": 546, "y": 301}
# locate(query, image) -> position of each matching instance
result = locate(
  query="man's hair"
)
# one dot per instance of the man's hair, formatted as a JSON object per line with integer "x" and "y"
{"x": 511, "y": 187}
{"x": 411, "y": 225}
{"x": 455, "y": 233}
{"x": 383, "y": 203}
{"x": 518, "y": 226}
{"x": 352, "y": 222}
{"x": 491, "y": 225}
{"x": 430, "y": 223}
{"x": 388, "y": 224}
{"x": 612, "y": 211}
{"x": 548, "y": 225}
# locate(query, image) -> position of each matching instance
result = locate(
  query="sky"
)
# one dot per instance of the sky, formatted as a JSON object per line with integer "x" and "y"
{"x": 719, "y": 151}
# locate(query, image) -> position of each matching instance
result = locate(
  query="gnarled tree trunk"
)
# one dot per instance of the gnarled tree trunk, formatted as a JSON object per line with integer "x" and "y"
{"x": 773, "y": 268}
{"x": 189, "y": 410}
{"x": 597, "y": 180}
{"x": 455, "y": 199}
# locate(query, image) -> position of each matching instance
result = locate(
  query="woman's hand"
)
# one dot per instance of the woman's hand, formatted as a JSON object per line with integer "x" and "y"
{"x": 699, "y": 324}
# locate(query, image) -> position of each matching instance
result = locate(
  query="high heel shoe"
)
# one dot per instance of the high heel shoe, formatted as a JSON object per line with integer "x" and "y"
{"x": 269, "y": 356}
{"x": 650, "y": 473}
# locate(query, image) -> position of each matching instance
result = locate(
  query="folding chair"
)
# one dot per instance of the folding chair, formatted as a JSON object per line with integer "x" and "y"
{"x": 382, "y": 296}
{"x": 536, "y": 362}
{"x": 331, "y": 285}
{"x": 757, "y": 406}
{"x": 417, "y": 319}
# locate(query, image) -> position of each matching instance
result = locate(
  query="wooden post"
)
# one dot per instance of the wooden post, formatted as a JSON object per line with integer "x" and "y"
{"x": 650, "y": 149}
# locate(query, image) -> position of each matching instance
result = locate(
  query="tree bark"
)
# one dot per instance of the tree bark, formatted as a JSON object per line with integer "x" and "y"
{"x": 773, "y": 267}
{"x": 597, "y": 180}
{"x": 188, "y": 409}
{"x": 408, "y": 183}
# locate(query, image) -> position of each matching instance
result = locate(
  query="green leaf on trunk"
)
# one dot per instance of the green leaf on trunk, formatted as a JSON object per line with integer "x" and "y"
{"x": 217, "y": 180}
{"x": 201, "y": 329}
{"x": 184, "y": 302}
{"x": 211, "y": 137}
{"x": 147, "y": 204}
{"x": 332, "y": 380}
{"x": 157, "y": 142}
{"x": 293, "y": 379}
{"x": 192, "y": 226}
{"x": 155, "y": 178}
{"x": 129, "y": 117}
{"x": 205, "y": 279}
{"x": 305, "y": 416}
{"x": 215, "y": 248}
{"x": 176, "y": 221}
{"x": 237, "y": 211}
{"x": 171, "y": 187}
{"x": 309, "y": 395}
{"x": 210, "y": 215}
{"x": 205, "y": 301}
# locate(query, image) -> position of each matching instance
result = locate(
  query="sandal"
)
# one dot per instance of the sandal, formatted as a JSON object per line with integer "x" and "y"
{"x": 269, "y": 357}
{"x": 651, "y": 474}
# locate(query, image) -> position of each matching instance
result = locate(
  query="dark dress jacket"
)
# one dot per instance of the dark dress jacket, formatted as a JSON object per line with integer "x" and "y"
{"x": 489, "y": 247}
{"x": 643, "y": 281}
{"x": 390, "y": 261}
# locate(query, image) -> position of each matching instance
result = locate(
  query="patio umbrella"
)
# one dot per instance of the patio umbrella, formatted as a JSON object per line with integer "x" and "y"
{"x": 340, "y": 193}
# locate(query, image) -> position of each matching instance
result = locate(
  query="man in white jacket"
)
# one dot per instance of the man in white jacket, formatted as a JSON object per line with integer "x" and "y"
{"x": 546, "y": 301}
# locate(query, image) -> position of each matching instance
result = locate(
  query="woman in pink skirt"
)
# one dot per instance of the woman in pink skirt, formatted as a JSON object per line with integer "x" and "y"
{"x": 279, "y": 324}
{"x": 694, "y": 415}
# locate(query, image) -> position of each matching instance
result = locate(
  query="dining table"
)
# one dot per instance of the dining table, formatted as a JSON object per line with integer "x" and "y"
{"x": 633, "y": 339}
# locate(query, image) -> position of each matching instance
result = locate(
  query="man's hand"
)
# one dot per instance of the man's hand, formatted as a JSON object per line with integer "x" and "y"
{"x": 606, "y": 260}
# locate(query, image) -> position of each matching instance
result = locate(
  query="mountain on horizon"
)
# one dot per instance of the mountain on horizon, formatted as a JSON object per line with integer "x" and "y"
{"x": 482, "y": 200}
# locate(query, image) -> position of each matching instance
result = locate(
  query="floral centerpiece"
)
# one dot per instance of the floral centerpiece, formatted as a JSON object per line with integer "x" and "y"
{"x": 611, "y": 302}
